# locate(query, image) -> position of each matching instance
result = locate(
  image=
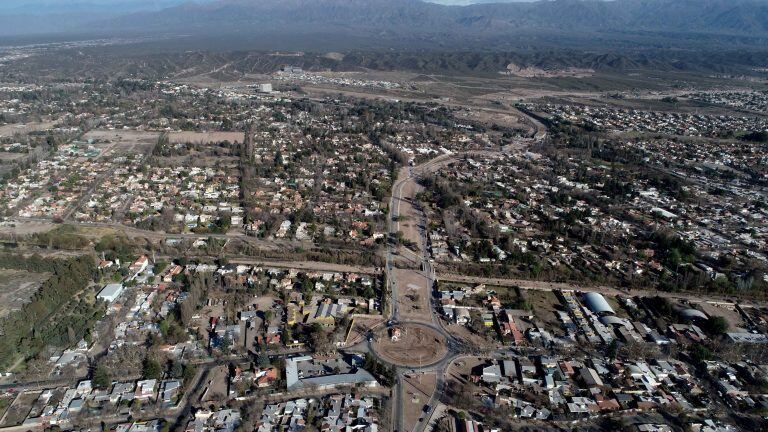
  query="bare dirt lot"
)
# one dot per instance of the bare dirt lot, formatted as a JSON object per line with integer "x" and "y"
{"x": 6, "y": 157}
{"x": 506, "y": 119}
{"x": 205, "y": 137}
{"x": 545, "y": 303}
{"x": 412, "y": 294}
{"x": 476, "y": 340}
{"x": 18, "y": 411}
{"x": 417, "y": 346}
{"x": 461, "y": 368}
{"x": 11, "y": 129}
{"x": 417, "y": 389}
{"x": 735, "y": 321}
{"x": 25, "y": 227}
{"x": 5, "y": 402}
{"x": 216, "y": 386}
{"x": 360, "y": 327}
{"x": 129, "y": 137}
{"x": 409, "y": 221}
{"x": 16, "y": 288}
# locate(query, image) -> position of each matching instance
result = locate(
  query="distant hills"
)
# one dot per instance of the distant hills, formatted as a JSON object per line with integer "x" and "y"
{"x": 417, "y": 20}
{"x": 418, "y": 24}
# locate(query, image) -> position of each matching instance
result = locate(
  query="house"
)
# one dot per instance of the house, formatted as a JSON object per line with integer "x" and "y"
{"x": 122, "y": 392}
{"x": 172, "y": 271}
{"x": 327, "y": 313}
{"x": 461, "y": 316}
{"x": 266, "y": 377}
{"x": 139, "y": 265}
{"x": 76, "y": 405}
{"x": 590, "y": 377}
{"x": 169, "y": 390}
{"x": 487, "y": 319}
{"x": 145, "y": 389}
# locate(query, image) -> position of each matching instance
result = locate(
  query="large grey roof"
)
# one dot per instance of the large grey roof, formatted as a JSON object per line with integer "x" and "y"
{"x": 693, "y": 313}
{"x": 613, "y": 320}
{"x": 596, "y": 303}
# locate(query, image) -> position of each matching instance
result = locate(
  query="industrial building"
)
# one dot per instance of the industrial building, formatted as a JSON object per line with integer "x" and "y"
{"x": 111, "y": 292}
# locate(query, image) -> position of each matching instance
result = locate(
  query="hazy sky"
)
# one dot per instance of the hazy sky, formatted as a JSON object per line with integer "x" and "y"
{"x": 11, "y": 4}
{"x": 466, "y": 2}
{"x": 42, "y": 6}
{"x": 17, "y": 3}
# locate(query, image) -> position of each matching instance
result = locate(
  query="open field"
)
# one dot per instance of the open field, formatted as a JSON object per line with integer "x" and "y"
{"x": 204, "y": 137}
{"x": 409, "y": 225}
{"x": 130, "y": 137}
{"x": 463, "y": 333}
{"x": 5, "y": 402}
{"x": 413, "y": 294}
{"x": 26, "y": 227}
{"x": 19, "y": 409}
{"x": 6, "y": 157}
{"x": 544, "y": 304}
{"x": 16, "y": 288}
{"x": 11, "y": 129}
{"x": 731, "y": 315}
{"x": 461, "y": 368}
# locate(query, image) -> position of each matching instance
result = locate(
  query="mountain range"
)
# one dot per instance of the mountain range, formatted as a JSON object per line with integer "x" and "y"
{"x": 415, "y": 23}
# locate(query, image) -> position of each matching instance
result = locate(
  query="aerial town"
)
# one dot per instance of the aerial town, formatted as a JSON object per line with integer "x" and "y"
{"x": 307, "y": 249}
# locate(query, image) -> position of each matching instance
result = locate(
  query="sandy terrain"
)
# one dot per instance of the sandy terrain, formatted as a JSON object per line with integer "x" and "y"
{"x": 534, "y": 72}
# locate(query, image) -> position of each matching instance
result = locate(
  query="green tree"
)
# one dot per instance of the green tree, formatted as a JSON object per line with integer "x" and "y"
{"x": 177, "y": 369}
{"x": 101, "y": 378}
{"x": 716, "y": 325}
{"x": 151, "y": 369}
{"x": 700, "y": 353}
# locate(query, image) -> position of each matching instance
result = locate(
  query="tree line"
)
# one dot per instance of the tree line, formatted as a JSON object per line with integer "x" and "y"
{"x": 54, "y": 316}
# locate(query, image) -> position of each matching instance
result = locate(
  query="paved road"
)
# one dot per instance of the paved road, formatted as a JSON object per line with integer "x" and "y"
{"x": 432, "y": 321}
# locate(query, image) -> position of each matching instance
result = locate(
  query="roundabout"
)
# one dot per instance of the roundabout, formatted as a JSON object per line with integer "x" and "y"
{"x": 411, "y": 345}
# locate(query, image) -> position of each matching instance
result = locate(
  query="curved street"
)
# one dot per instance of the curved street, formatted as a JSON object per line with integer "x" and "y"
{"x": 455, "y": 348}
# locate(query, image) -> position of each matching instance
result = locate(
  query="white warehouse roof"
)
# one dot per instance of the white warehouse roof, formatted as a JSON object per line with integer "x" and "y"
{"x": 596, "y": 303}
{"x": 111, "y": 292}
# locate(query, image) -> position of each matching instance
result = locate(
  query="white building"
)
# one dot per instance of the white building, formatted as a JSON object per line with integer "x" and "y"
{"x": 111, "y": 292}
